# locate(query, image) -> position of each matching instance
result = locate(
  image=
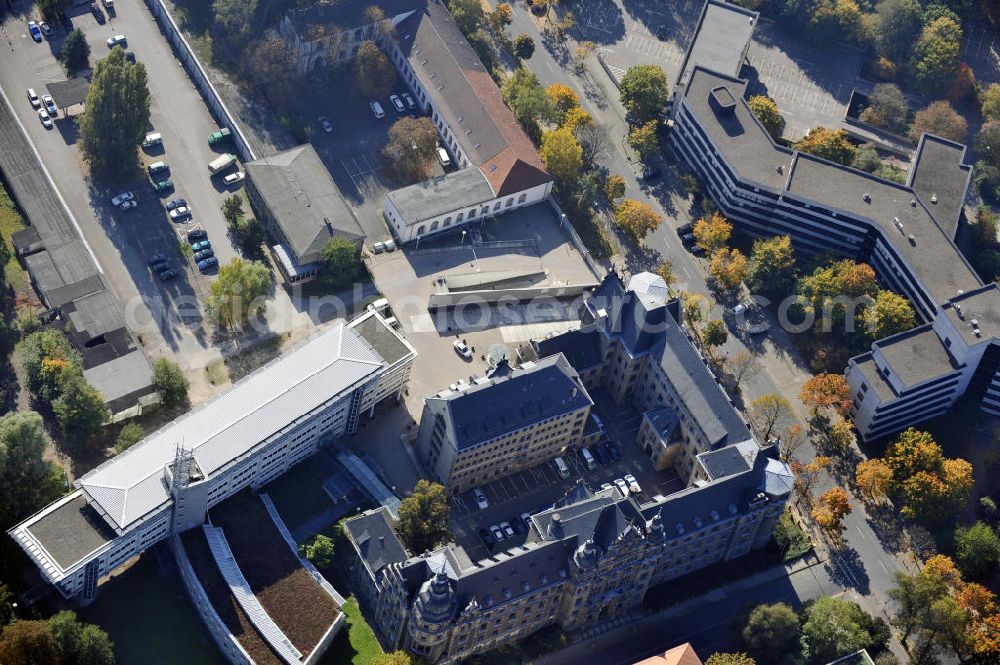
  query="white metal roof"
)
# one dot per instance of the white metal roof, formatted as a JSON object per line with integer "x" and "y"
{"x": 132, "y": 484}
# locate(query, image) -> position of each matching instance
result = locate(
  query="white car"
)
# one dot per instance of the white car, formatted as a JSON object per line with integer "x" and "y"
{"x": 397, "y": 103}
{"x": 497, "y": 533}
{"x": 179, "y": 213}
{"x": 128, "y": 205}
{"x": 633, "y": 484}
{"x": 115, "y": 41}
{"x": 622, "y": 486}
{"x": 480, "y": 499}
{"x": 462, "y": 349}
{"x": 50, "y": 105}
{"x": 325, "y": 124}
{"x": 233, "y": 178}
{"x": 33, "y": 98}
{"x": 749, "y": 319}
{"x": 44, "y": 117}
{"x": 376, "y": 108}
{"x": 122, "y": 198}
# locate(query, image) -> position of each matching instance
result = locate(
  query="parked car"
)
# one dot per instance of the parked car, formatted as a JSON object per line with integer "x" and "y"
{"x": 46, "y": 29}
{"x": 397, "y": 103}
{"x": 325, "y": 124}
{"x": 44, "y": 117}
{"x": 462, "y": 349}
{"x": 412, "y": 105}
{"x": 600, "y": 454}
{"x": 180, "y": 212}
{"x": 34, "y": 31}
{"x": 480, "y": 499}
{"x": 487, "y": 537}
{"x": 233, "y": 178}
{"x": 663, "y": 32}
{"x": 203, "y": 254}
{"x": 376, "y": 109}
{"x": 622, "y": 486}
{"x": 33, "y": 98}
{"x": 96, "y": 11}
{"x": 749, "y": 319}
{"x": 176, "y": 203}
{"x": 633, "y": 484}
{"x": 443, "y": 157}
{"x": 164, "y": 186}
{"x": 115, "y": 41}
{"x": 497, "y": 533}
{"x": 159, "y": 257}
{"x": 122, "y": 198}
{"x": 50, "y": 105}
{"x": 526, "y": 520}
{"x": 167, "y": 275}
{"x": 519, "y": 527}
{"x": 128, "y": 205}
{"x": 206, "y": 264}
{"x": 219, "y": 136}
{"x": 158, "y": 266}
{"x": 508, "y": 530}
{"x": 196, "y": 234}
{"x": 200, "y": 245}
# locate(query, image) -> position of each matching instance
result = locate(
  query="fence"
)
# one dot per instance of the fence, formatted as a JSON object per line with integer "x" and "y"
{"x": 200, "y": 78}
{"x": 568, "y": 229}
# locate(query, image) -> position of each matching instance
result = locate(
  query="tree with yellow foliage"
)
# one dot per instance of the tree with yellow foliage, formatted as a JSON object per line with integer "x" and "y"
{"x": 636, "y": 219}
{"x": 614, "y": 187}
{"x": 562, "y": 156}
{"x": 575, "y": 119}
{"x": 563, "y": 98}
{"x": 873, "y": 477}
{"x": 712, "y": 232}
{"x": 728, "y": 267}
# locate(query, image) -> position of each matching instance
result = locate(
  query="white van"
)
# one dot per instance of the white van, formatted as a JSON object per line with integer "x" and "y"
{"x": 156, "y": 167}
{"x": 153, "y": 138}
{"x": 443, "y": 157}
{"x": 380, "y": 306}
{"x": 561, "y": 467}
{"x": 392, "y": 322}
{"x": 588, "y": 458}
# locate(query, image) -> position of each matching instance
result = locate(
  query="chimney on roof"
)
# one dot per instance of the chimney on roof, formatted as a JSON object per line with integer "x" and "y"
{"x": 381, "y": 541}
{"x": 958, "y": 312}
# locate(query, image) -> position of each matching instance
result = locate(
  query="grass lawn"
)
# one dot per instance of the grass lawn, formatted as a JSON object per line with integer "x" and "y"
{"x": 356, "y": 643}
{"x": 298, "y": 494}
{"x": 253, "y": 356}
{"x": 150, "y": 618}
{"x": 10, "y": 221}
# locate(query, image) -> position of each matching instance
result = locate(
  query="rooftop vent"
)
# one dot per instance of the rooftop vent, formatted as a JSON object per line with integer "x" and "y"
{"x": 866, "y": 197}
{"x": 722, "y": 101}
{"x": 958, "y": 312}
{"x": 899, "y": 224}
{"x": 912, "y": 238}
{"x": 913, "y": 203}
{"x": 933, "y": 198}
{"x": 780, "y": 168}
{"x": 715, "y": 515}
{"x": 697, "y": 522}
{"x": 433, "y": 74}
{"x": 974, "y": 323}
{"x": 680, "y": 528}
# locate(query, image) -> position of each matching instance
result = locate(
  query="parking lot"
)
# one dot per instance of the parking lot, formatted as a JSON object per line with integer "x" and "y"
{"x": 537, "y": 488}
{"x": 166, "y": 315}
{"x": 811, "y": 84}
{"x": 979, "y": 51}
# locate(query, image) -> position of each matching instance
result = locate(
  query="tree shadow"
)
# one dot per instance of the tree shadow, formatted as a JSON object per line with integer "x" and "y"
{"x": 846, "y": 569}
{"x": 885, "y": 523}
{"x": 671, "y": 22}
{"x": 598, "y": 21}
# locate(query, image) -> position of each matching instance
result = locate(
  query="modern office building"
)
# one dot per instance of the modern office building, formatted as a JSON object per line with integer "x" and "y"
{"x": 245, "y": 437}
{"x": 512, "y": 420}
{"x": 904, "y": 231}
{"x": 593, "y": 555}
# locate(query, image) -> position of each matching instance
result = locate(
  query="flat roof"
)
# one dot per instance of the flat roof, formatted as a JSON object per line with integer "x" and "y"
{"x": 121, "y": 376}
{"x": 69, "y": 93}
{"x": 71, "y": 531}
{"x": 434, "y": 197}
{"x": 721, "y": 39}
{"x": 130, "y": 485}
{"x": 385, "y": 341}
{"x": 916, "y": 355}
{"x": 941, "y": 179}
{"x": 873, "y": 377}
{"x": 981, "y": 305}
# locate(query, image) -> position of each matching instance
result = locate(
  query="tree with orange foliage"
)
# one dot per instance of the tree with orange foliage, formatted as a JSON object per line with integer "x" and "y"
{"x": 827, "y": 391}
{"x": 729, "y": 267}
{"x": 831, "y": 509}
{"x": 712, "y": 232}
{"x": 873, "y": 477}
{"x": 806, "y": 475}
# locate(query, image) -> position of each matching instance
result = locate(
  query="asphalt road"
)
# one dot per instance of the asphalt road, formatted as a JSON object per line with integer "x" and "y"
{"x": 865, "y": 565}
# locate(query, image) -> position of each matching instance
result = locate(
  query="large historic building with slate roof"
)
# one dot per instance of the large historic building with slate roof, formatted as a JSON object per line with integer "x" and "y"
{"x": 245, "y": 437}
{"x": 592, "y": 555}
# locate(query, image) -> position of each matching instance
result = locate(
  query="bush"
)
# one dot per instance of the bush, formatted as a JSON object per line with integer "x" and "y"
{"x": 129, "y": 435}
{"x": 170, "y": 382}
{"x": 524, "y": 46}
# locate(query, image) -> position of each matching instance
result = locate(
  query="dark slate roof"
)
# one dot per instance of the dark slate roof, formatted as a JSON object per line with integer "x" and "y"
{"x": 304, "y": 200}
{"x": 939, "y": 172}
{"x": 664, "y": 421}
{"x": 465, "y": 94}
{"x": 729, "y": 460}
{"x": 345, "y": 15}
{"x": 374, "y": 535}
{"x": 546, "y": 389}
{"x": 582, "y": 348}
{"x": 69, "y": 93}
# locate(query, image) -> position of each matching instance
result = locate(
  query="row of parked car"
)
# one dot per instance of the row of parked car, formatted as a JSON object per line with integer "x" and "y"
{"x": 686, "y": 233}
{"x": 46, "y": 107}
{"x": 401, "y": 102}
{"x": 506, "y": 530}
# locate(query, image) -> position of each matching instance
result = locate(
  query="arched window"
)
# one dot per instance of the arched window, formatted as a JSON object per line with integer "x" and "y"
{"x": 447, "y": 221}
{"x": 496, "y": 206}
{"x": 459, "y": 218}
{"x": 420, "y": 230}
{"x": 472, "y": 213}
{"x": 434, "y": 225}
{"x": 484, "y": 210}
{"x": 522, "y": 198}
{"x": 509, "y": 203}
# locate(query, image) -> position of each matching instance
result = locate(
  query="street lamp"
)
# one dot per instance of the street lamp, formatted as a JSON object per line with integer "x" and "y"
{"x": 463, "y": 237}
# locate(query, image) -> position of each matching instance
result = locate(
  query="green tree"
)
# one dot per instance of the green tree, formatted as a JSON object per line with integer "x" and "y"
{"x": 835, "y": 19}
{"x": 7, "y": 600}
{"x": 989, "y": 101}
{"x": 50, "y": 8}
{"x": 26, "y": 478}
{"x": 888, "y": 108}
{"x": 988, "y": 143}
{"x": 829, "y": 144}
{"x": 644, "y": 139}
{"x": 232, "y": 209}
{"x": 834, "y": 627}
{"x": 341, "y": 262}
{"x": 524, "y": 47}
{"x": 395, "y": 658}
{"x": 562, "y": 156}
{"x": 270, "y": 67}
{"x": 374, "y": 74}
{"x": 79, "y": 410}
{"x": 636, "y": 219}
{"x": 129, "y": 435}
{"x": 936, "y": 55}
{"x": 81, "y": 643}
{"x": 29, "y": 643}
{"x": 889, "y": 314}
{"x": 411, "y": 147}
{"x": 895, "y": 27}
{"x": 239, "y": 292}
{"x": 771, "y": 630}
{"x": 977, "y": 549}
{"x": 766, "y": 111}
{"x": 117, "y": 114}
{"x": 730, "y": 659}
{"x": 772, "y": 266}
{"x": 941, "y": 119}
{"x": 715, "y": 334}
{"x": 468, "y": 14}
{"x": 319, "y": 551}
{"x": 644, "y": 92}
{"x": 46, "y": 356}
{"x": 75, "y": 52}
{"x": 528, "y": 100}
{"x": 170, "y": 382}
{"x": 866, "y": 158}
{"x": 423, "y": 517}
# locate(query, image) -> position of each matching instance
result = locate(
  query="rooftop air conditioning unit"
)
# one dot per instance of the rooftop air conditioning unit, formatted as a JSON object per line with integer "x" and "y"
{"x": 867, "y": 197}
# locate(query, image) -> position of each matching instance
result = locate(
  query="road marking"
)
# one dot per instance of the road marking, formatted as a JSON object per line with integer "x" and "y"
{"x": 883, "y": 566}
{"x": 861, "y": 532}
